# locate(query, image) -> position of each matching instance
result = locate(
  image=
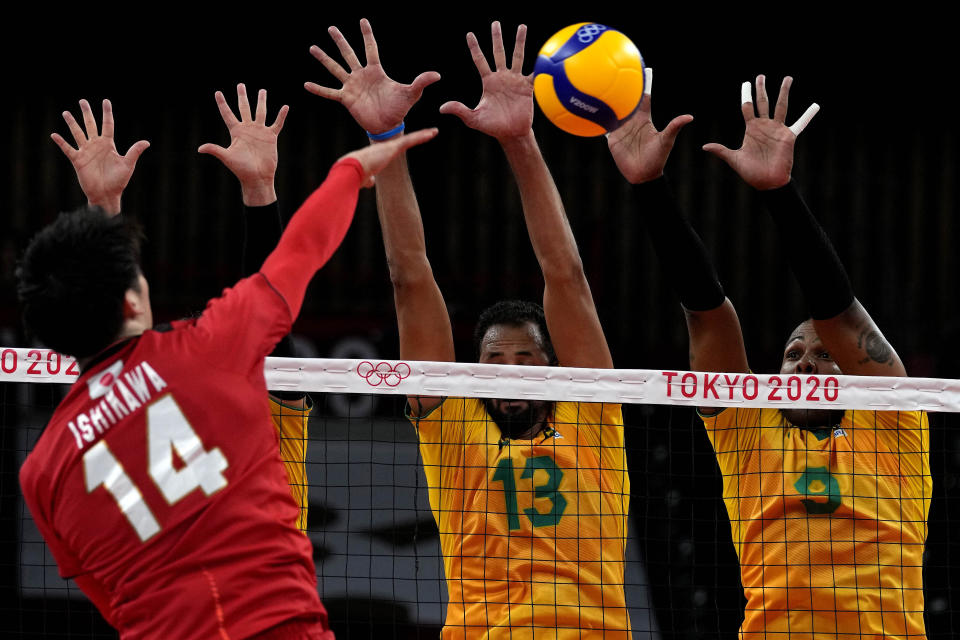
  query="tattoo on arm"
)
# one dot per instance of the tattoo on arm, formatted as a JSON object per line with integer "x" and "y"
{"x": 876, "y": 346}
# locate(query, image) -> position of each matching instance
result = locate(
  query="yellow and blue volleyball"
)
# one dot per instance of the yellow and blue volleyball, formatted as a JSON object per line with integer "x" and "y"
{"x": 588, "y": 79}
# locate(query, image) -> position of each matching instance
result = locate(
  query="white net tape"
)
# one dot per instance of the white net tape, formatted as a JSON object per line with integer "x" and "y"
{"x": 626, "y": 386}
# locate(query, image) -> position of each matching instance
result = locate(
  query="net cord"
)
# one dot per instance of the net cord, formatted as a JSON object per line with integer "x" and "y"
{"x": 623, "y": 386}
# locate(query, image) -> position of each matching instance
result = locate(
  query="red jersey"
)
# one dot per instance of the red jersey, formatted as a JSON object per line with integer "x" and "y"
{"x": 158, "y": 482}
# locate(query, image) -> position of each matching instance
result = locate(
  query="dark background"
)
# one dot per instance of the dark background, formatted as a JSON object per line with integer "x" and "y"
{"x": 878, "y": 166}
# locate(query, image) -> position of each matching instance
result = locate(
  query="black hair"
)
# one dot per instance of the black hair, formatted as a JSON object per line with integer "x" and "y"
{"x": 514, "y": 313}
{"x": 73, "y": 277}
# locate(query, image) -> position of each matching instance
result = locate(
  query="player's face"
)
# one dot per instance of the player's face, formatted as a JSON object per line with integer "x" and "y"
{"x": 805, "y": 354}
{"x": 509, "y": 344}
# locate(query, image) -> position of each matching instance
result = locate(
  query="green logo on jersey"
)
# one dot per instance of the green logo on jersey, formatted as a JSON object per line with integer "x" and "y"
{"x": 817, "y": 481}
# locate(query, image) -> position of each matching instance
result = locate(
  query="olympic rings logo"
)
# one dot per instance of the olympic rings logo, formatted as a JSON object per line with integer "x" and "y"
{"x": 588, "y": 32}
{"x": 383, "y": 373}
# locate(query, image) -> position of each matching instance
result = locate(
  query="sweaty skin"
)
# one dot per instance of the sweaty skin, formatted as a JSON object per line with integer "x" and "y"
{"x": 806, "y": 354}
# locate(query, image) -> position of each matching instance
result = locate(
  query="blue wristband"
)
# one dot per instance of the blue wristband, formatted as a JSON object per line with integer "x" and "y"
{"x": 386, "y": 135}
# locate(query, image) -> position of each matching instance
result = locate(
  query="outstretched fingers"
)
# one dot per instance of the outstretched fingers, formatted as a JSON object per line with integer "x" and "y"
{"x": 243, "y": 103}
{"x": 478, "y": 58}
{"x": 215, "y": 150}
{"x": 226, "y": 112}
{"x": 672, "y": 130}
{"x": 518, "y": 48}
{"x": 724, "y": 153}
{"x": 763, "y": 101}
{"x": 135, "y": 150}
{"x": 89, "y": 122}
{"x": 780, "y": 111}
{"x": 260, "y": 115}
{"x": 370, "y": 49}
{"x": 345, "y": 49}
{"x": 107, "y": 127}
{"x": 422, "y": 81}
{"x": 277, "y": 125}
{"x": 746, "y": 102}
{"x": 499, "y": 53}
{"x": 68, "y": 151}
{"x": 458, "y": 109}
{"x": 79, "y": 137}
{"x": 805, "y": 119}
{"x": 329, "y": 63}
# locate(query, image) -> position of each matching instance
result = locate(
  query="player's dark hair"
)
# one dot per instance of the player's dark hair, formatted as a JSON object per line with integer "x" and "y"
{"x": 73, "y": 277}
{"x": 514, "y": 313}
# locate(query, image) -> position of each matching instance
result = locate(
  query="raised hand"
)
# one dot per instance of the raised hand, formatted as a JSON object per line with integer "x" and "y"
{"x": 376, "y": 102}
{"x": 375, "y": 158}
{"x": 102, "y": 172}
{"x": 765, "y": 158}
{"x": 639, "y": 150}
{"x": 252, "y": 154}
{"x": 505, "y": 109}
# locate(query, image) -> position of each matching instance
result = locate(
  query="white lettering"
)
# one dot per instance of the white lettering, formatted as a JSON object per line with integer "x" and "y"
{"x": 76, "y": 434}
{"x": 583, "y": 105}
{"x": 116, "y": 405}
{"x": 128, "y": 397}
{"x": 155, "y": 379}
{"x": 99, "y": 421}
{"x": 106, "y": 411}
{"x": 83, "y": 422}
{"x": 137, "y": 383}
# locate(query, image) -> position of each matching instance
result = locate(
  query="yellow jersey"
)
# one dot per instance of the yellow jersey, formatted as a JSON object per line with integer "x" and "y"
{"x": 291, "y": 425}
{"x": 829, "y": 525}
{"x": 533, "y": 532}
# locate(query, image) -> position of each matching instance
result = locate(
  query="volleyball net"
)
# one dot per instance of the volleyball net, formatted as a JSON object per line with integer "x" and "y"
{"x": 392, "y": 506}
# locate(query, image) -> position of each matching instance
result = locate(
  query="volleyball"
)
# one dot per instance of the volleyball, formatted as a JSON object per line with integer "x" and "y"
{"x": 588, "y": 79}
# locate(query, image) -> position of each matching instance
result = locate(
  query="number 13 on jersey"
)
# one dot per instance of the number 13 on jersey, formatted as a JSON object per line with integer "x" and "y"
{"x": 167, "y": 431}
{"x": 549, "y": 490}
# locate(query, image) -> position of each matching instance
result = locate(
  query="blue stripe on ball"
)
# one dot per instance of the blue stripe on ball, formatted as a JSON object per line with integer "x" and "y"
{"x": 580, "y": 40}
{"x": 582, "y": 104}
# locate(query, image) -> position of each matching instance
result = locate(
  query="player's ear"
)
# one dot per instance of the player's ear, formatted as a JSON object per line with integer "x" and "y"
{"x": 134, "y": 303}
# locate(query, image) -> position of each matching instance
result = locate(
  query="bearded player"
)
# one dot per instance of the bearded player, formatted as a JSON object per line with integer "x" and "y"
{"x": 252, "y": 157}
{"x": 530, "y": 497}
{"x": 828, "y": 509}
{"x": 157, "y": 484}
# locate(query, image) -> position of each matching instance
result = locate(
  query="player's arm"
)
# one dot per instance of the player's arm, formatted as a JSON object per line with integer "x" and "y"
{"x": 505, "y": 112}
{"x": 765, "y": 162}
{"x": 641, "y": 152}
{"x": 379, "y": 105}
{"x": 252, "y": 157}
{"x": 320, "y": 224}
{"x": 102, "y": 172}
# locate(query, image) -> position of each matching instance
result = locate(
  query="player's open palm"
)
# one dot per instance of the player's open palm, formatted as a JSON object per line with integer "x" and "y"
{"x": 375, "y": 101}
{"x": 505, "y": 109}
{"x": 252, "y": 154}
{"x": 102, "y": 172}
{"x": 638, "y": 149}
{"x": 765, "y": 158}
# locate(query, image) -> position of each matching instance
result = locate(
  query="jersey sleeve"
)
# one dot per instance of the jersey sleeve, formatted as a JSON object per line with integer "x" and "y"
{"x": 240, "y": 328}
